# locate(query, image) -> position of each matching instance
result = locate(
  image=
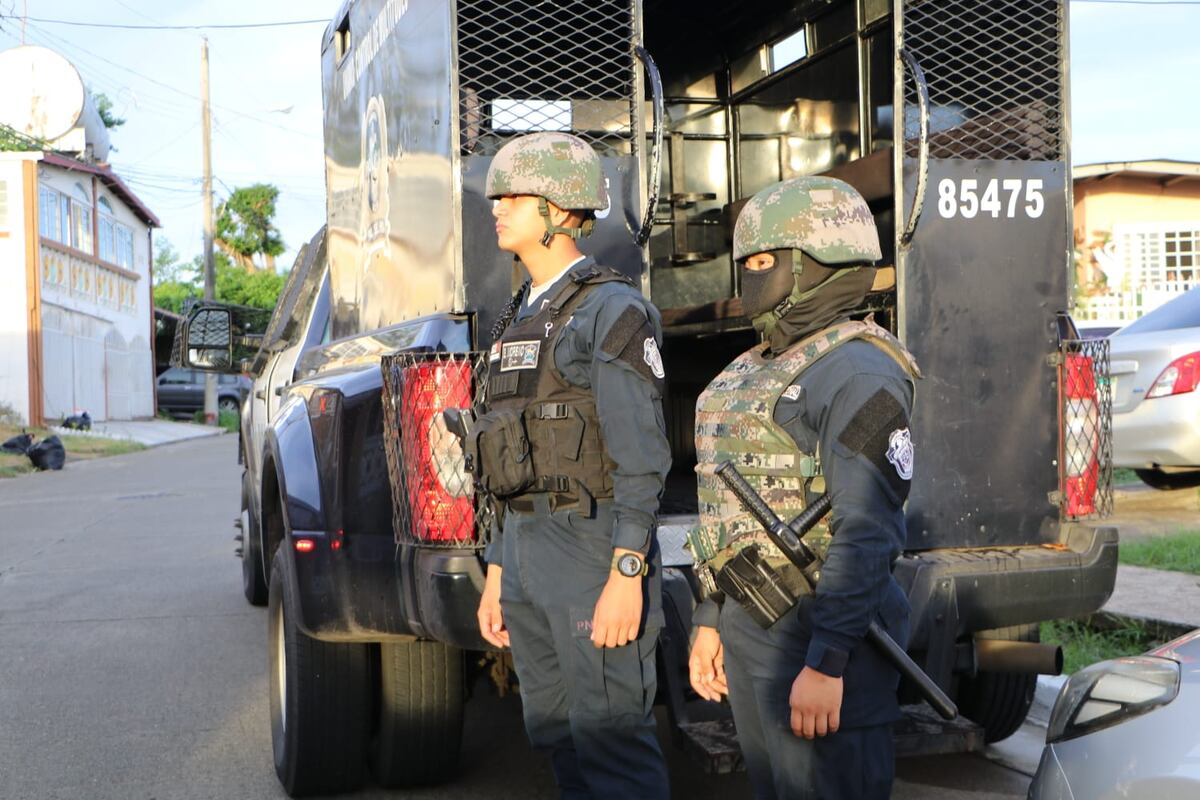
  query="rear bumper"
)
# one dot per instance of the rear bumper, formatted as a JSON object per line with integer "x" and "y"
{"x": 955, "y": 592}
{"x": 1164, "y": 431}
{"x": 441, "y": 590}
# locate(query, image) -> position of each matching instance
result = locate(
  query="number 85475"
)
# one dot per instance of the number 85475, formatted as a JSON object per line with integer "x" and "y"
{"x": 1007, "y": 197}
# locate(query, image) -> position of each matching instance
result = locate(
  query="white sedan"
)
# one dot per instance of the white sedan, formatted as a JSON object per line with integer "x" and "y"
{"x": 1156, "y": 406}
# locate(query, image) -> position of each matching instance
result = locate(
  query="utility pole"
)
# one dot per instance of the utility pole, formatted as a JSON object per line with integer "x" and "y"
{"x": 210, "y": 278}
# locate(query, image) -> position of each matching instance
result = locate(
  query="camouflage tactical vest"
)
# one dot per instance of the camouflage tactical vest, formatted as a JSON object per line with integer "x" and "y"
{"x": 735, "y": 422}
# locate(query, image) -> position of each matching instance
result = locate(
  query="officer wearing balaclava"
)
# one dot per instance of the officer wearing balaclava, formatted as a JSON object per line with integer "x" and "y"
{"x": 821, "y": 405}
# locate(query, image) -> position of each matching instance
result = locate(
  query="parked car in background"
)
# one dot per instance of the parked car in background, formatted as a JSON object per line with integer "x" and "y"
{"x": 1156, "y": 405}
{"x": 1126, "y": 728}
{"x": 181, "y": 392}
{"x": 1096, "y": 331}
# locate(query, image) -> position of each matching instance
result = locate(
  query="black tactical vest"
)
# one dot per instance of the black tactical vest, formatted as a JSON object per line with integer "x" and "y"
{"x": 563, "y": 428}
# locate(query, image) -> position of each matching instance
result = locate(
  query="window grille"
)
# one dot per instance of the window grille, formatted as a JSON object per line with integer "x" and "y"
{"x": 530, "y": 65}
{"x": 995, "y": 77}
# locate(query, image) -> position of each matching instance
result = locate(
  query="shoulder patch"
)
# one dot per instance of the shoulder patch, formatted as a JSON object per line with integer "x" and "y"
{"x": 879, "y": 431}
{"x": 900, "y": 452}
{"x": 653, "y": 358}
{"x": 631, "y": 321}
{"x": 793, "y": 392}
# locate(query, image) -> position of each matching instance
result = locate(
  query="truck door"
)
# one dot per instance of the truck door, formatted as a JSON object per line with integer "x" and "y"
{"x": 984, "y": 247}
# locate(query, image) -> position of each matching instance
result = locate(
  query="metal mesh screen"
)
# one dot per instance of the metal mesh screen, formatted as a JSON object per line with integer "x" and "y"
{"x": 995, "y": 78}
{"x": 532, "y": 65}
{"x": 433, "y": 497}
{"x": 1085, "y": 456}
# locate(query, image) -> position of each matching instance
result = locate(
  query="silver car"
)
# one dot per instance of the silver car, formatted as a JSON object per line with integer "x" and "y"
{"x": 1126, "y": 728}
{"x": 1156, "y": 405}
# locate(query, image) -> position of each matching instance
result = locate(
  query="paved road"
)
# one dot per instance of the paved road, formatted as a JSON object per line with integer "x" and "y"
{"x": 132, "y": 669}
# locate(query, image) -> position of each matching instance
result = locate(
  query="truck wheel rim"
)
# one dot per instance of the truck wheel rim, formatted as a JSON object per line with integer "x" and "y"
{"x": 281, "y": 671}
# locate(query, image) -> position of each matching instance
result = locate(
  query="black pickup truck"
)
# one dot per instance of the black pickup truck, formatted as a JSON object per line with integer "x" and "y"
{"x": 360, "y": 528}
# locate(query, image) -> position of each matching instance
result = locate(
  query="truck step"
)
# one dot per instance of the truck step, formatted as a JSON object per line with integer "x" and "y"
{"x": 712, "y": 744}
{"x": 920, "y": 732}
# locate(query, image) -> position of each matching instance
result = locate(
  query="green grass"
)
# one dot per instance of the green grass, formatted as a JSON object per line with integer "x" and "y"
{"x": 227, "y": 420}
{"x": 1179, "y": 552}
{"x": 1083, "y": 645}
{"x": 1122, "y": 476}
{"x": 78, "y": 448}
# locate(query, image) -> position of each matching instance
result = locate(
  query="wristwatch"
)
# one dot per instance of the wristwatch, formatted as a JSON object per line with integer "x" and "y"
{"x": 631, "y": 565}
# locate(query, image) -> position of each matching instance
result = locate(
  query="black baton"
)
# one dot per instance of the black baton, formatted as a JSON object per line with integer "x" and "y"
{"x": 788, "y": 538}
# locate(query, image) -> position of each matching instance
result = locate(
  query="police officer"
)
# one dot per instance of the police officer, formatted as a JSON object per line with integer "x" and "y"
{"x": 574, "y": 442}
{"x": 822, "y": 405}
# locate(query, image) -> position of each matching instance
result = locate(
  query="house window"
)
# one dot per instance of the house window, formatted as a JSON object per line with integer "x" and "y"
{"x": 52, "y": 222}
{"x": 124, "y": 246}
{"x": 66, "y": 219}
{"x": 1181, "y": 252}
{"x": 81, "y": 220}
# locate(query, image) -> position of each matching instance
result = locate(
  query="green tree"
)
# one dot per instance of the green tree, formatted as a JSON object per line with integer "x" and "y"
{"x": 171, "y": 295}
{"x": 104, "y": 109}
{"x": 174, "y": 279}
{"x": 246, "y": 227}
{"x": 255, "y": 288}
{"x": 177, "y": 281}
{"x": 168, "y": 264}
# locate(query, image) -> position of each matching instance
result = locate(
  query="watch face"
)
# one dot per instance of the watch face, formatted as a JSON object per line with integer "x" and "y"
{"x": 630, "y": 565}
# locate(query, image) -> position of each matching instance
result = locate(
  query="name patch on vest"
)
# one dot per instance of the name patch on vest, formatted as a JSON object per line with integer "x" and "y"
{"x": 519, "y": 355}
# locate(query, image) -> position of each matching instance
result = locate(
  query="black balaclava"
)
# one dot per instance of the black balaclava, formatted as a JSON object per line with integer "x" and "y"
{"x": 799, "y": 296}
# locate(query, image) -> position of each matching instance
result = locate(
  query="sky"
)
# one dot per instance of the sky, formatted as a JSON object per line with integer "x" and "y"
{"x": 1135, "y": 80}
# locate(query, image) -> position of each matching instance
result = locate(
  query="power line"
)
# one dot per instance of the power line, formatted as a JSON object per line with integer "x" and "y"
{"x": 214, "y": 26}
{"x": 180, "y": 92}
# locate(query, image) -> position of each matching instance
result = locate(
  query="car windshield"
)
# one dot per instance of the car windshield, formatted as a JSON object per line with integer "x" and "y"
{"x": 1182, "y": 312}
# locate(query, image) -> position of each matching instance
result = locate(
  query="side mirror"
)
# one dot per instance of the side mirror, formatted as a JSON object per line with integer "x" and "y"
{"x": 209, "y": 339}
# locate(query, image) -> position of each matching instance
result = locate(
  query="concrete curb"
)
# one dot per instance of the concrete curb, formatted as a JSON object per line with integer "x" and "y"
{"x": 146, "y": 433}
{"x": 1048, "y": 687}
{"x": 1139, "y": 497}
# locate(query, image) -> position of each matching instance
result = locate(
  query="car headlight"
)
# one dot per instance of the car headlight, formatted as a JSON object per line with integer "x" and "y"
{"x": 1104, "y": 694}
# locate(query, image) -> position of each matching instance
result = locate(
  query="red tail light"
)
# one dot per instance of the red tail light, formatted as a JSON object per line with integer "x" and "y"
{"x": 1081, "y": 435}
{"x": 439, "y": 495}
{"x": 1180, "y": 377}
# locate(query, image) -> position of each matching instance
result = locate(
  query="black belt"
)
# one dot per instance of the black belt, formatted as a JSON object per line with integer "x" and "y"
{"x": 560, "y": 492}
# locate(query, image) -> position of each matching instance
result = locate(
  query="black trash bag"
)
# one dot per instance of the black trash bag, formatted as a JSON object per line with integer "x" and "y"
{"x": 18, "y": 445}
{"x": 48, "y": 453}
{"x": 78, "y": 422}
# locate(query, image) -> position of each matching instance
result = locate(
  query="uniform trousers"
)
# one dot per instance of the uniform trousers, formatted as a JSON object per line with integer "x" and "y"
{"x": 589, "y": 708}
{"x": 856, "y": 763}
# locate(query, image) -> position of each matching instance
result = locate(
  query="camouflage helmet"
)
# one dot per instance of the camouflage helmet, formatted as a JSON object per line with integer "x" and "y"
{"x": 823, "y": 217}
{"x": 557, "y": 166}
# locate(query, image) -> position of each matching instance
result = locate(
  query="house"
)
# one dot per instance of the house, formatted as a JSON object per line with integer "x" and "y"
{"x": 1137, "y": 237}
{"x": 76, "y": 306}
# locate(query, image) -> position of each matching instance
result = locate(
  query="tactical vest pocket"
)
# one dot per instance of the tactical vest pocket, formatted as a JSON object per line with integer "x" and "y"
{"x": 504, "y": 465}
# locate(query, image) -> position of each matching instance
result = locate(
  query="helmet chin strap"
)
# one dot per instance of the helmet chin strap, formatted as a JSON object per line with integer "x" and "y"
{"x": 551, "y": 229}
{"x": 765, "y": 322}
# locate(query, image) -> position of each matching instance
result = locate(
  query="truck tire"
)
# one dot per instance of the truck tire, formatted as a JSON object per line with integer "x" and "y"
{"x": 1157, "y": 479}
{"x": 421, "y": 695}
{"x": 999, "y": 701}
{"x": 319, "y": 709}
{"x": 254, "y": 578}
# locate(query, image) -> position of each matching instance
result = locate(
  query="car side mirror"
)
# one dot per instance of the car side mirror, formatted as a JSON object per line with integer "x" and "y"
{"x": 209, "y": 339}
